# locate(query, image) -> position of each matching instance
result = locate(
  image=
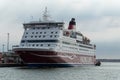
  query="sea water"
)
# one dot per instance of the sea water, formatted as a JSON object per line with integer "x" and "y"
{"x": 107, "y": 71}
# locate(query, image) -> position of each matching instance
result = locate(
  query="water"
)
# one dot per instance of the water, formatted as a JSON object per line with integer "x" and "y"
{"x": 107, "y": 71}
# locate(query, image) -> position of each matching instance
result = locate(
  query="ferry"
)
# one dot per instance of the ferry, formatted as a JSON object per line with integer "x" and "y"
{"x": 48, "y": 43}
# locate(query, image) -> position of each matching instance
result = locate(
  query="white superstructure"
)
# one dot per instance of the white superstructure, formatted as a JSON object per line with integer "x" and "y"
{"x": 53, "y": 36}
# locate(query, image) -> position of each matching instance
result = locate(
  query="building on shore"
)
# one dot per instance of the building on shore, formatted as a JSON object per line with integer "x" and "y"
{"x": 0, "y": 57}
{"x": 10, "y": 57}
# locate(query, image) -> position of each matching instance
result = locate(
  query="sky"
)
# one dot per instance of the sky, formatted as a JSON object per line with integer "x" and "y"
{"x": 99, "y": 20}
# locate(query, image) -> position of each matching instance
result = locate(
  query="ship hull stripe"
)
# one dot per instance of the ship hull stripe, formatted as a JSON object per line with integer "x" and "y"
{"x": 53, "y": 58}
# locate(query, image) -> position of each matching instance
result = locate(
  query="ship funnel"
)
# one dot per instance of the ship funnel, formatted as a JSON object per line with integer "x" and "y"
{"x": 72, "y": 24}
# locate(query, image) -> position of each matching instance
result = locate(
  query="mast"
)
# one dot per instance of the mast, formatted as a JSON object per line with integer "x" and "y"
{"x": 8, "y": 42}
{"x": 3, "y": 48}
{"x": 45, "y": 15}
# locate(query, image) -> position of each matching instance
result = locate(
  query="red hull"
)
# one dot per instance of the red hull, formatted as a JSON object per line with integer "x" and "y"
{"x": 50, "y": 57}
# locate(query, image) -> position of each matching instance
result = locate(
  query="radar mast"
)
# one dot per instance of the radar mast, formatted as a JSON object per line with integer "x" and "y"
{"x": 45, "y": 15}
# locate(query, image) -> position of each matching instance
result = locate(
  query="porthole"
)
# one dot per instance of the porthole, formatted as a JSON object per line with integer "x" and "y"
{"x": 51, "y": 32}
{"x": 48, "y": 44}
{"x": 41, "y": 45}
{"x": 50, "y": 35}
{"x": 33, "y": 45}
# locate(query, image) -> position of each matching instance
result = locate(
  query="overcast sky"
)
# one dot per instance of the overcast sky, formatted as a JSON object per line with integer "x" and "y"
{"x": 99, "y": 20}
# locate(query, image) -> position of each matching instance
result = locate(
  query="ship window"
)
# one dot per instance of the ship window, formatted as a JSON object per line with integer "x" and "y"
{"x": 40, "y": 32}
{"x": 50, "y": 35}
{"x": 25, "y": 36}
{"x": 48, "y": 44}
{"x": 33, "y": 45}
{"x": 36, "y": 32}
{"x": 34, "y": 41}
{"x": 56, "y": 32}
{"x": 37, "y": 45}
{"x": 43, "y": 27}
{"x": 41, "y": 44}
{"x": 44, "y": 32}
{"x": 48, "y": 27}
{"x": 55, "y": 36}
{"x": 38, "y": 28}
{"x": 51, "y": 32}
{"x": 26, "y": 32}
{"x": 32, "y": 32}
{"x": 33, "y": 28}
{"x": 31, "y": 36}
{"x": 43, "y": 35}
{"x": 39, "y": 36}
{"x": 35, "y": 36}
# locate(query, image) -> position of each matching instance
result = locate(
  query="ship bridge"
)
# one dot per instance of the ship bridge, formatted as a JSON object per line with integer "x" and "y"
{"x": 43, "y": 24}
